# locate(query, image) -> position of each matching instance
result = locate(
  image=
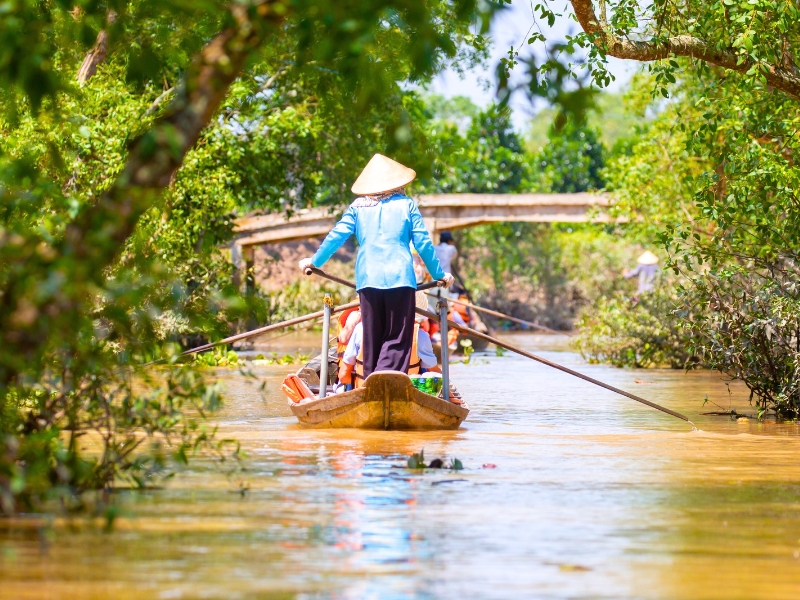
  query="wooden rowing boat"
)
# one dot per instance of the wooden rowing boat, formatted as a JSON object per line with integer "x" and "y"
{"x": 388, "y": 400}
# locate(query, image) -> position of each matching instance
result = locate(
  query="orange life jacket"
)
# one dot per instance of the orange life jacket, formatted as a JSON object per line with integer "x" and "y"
{"x": 342, "y": 346}
{"x": 452, "y": 332}
{"x": 414, "y": 362}
{"x": 461, "y": 309}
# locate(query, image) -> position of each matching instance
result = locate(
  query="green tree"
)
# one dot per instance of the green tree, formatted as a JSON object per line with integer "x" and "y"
{"x": 487, "y": 158}
{"x": 739, "y": 255}
{"x": 573, "y": 157}
{"x": 757, "y": 40}
{"x": 572, "y": 160}
{"x": 727, "y": 144}
{"x": 117, "y": 191}
{"x": 713, "y": 176}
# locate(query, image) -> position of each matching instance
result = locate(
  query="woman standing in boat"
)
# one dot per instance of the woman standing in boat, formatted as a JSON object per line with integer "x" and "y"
{"x": 385, "y": 222}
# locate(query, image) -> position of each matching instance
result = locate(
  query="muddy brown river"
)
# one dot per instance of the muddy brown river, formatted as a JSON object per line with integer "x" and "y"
{"x": 592, "y": 496}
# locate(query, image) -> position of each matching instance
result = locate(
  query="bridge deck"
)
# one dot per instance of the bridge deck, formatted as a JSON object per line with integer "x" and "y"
{"x": 440, "y": 211}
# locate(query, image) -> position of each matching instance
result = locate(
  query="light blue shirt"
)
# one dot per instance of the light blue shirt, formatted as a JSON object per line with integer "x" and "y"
{"x": 384, "y": 233}
{"x": 424, "y": 348}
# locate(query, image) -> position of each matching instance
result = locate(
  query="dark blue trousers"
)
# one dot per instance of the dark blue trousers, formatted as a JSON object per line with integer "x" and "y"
{"x": 387, "y": 317}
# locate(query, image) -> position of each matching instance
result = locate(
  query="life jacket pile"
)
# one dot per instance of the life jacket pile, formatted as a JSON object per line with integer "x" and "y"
{"x": 296, "y": 389}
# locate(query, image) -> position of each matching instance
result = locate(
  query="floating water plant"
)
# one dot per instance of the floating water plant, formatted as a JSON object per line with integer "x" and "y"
{"x": 467, "y": 349}
{"x": 218, "y": 357}
{"x": 287, "y": 359}
{"x": 417, "y": 461}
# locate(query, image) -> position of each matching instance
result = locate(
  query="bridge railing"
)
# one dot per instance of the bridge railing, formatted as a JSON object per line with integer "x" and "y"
{"x": 440, "y": 211}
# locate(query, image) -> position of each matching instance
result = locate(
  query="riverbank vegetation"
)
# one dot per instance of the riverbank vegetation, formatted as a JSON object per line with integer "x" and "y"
{"x": 713, "y": 177}
{"x": 708, "y": 174}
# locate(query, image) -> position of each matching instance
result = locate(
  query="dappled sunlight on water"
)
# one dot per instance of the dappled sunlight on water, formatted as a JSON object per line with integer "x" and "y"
{"x": 593, "y": 496}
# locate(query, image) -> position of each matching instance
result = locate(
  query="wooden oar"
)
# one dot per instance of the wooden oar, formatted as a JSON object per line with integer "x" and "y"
{"x": 500, "y": 315}
{"x": 285, "y": 333}
{"x": 260, "y": 330}
{"x": 350, "y": 284}
{"x": 550, "y": 363}
{"x": 519, "y": 351}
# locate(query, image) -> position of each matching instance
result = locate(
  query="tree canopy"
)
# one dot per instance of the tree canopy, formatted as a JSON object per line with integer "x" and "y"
{"x": 131, "y": 131}
{"x": 758, "y": 38}
{"x": 713, "y": 176}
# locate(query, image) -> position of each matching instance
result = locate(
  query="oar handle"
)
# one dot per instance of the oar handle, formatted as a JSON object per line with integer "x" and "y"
{"x": 315, "y": 271}
{"x": 430, "y": 285}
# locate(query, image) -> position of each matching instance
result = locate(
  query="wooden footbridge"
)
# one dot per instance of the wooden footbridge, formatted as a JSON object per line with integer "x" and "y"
{"x": 440, "y": 211}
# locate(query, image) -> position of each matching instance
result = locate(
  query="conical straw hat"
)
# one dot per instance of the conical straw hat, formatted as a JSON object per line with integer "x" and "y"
{"x": 421, "y": 301}
{"x": 381, "y": 175}
{"x": 648, "y": 258}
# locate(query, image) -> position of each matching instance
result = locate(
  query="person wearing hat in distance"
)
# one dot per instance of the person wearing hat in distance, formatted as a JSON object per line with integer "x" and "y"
{"x": 646, "y": 271}
{"x": 385, "y": 222}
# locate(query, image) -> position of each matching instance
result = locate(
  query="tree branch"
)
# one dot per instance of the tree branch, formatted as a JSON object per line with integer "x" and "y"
{"x": 778, "y": 76}
{"x": 158, "y": 101}
{"x": 97, "y": 54}
{"x": 268, "y": 84}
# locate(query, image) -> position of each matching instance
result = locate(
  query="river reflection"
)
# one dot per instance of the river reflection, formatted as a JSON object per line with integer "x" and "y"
{"x": 593, "y": 496}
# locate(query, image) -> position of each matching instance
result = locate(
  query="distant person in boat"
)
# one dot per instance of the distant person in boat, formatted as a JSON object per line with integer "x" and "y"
{"x": 458, "y": 293}
{"x": 422, "y": 358}
{"x": 385, "y": 222}
{"x": 646, "y": 271}
{"x": 446, "y": 251}
{"x": 452, "y": 333}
